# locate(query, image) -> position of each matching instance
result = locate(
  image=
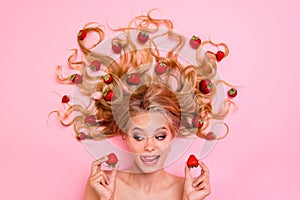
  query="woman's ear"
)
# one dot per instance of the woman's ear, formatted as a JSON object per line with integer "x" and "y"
{"x": 123, "y": 135}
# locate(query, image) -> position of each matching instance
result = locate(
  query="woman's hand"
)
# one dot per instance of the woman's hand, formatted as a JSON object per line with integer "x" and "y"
{"x": 196, "y": 188}
{"x": 103, "y": 182}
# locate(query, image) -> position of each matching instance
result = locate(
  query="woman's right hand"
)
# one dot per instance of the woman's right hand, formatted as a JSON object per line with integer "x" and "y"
{"x": 103, "y": 182}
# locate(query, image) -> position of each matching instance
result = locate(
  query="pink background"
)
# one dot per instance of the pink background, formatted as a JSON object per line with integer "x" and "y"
{"x": 258, "y": 160}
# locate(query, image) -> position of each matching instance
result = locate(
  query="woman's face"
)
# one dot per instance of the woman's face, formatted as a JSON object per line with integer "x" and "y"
{"x": 149, "y": 138}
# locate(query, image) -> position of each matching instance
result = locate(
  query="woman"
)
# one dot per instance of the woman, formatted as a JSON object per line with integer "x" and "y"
{"x": 153, "y": 125}
{"x": 149, "y": 95}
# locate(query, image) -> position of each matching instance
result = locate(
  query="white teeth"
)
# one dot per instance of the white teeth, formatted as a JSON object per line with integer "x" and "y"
{"x": 148, "y": 158}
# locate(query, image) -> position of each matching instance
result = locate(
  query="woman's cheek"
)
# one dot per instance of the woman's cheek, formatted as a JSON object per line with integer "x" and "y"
{"x": 136, "y": 147}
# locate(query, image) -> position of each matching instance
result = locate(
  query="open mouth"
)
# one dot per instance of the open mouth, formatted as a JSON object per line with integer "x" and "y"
{"x": 150, "y": 160}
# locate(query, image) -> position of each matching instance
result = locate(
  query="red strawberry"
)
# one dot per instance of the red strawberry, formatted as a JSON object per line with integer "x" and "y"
{"x": 161, "y": 67}
{"x": 81, "y": 34}
{"x": 95, "y": 65}
{"x": 232, "y": 93}
{"x": 133, "y": 79}
{"x": 198, "y": 122}
{"x": 76, "y": 78}
{"x": 90, "y": 120}
{"x": 143, "y": 37}
{"x": 108, "y": 78}
{"x": 195, "y": 42}
{"x": 210, "y": 136}
{"x": 205, "y": 86}
{"x": 192, "y": 162}
{"x": 65, "y": 99}
{"x": 81, "y": 136}
{"x": 108, "y": 95}
{"x": 112, "y": 160}
{"x": 220, "y": 55}
{"x": 116, "y": 47}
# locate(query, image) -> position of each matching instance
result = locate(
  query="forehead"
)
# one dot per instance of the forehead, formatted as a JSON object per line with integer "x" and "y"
{"x": 148, "y": 121}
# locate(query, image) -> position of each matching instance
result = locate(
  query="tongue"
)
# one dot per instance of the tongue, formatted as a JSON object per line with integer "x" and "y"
{"x": 149, "y": 159}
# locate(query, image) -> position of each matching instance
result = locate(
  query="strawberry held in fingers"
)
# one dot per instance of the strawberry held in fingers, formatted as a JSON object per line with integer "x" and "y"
{"x": 220, "y": 55}
{"x": 161, "y": 67}
{"x": 192, "y": 162}
{"x": 95, "y": 65}
{"x": 143, "y": 37}
{"x": 205, "y": 86}
{"x": 116, "y": 47}
{"x": 65, "y": 99}
{"x": 195, "y": 42}
{"x": 133, "y": 79}
{"x": 112, "y": 160}
{"x": 197, "y": 122}
{"x": 232, "y": 93}
{"x": 108, "y": 95}
{"x": 82, "y": 34}
{"x": 76, "y": 78}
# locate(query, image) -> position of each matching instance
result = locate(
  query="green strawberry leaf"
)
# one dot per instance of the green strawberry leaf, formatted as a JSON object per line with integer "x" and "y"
{"x": 72, "y": 77}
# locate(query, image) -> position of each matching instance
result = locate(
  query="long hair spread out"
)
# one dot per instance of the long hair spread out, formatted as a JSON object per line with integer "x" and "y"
{"x": 131, "y": 73}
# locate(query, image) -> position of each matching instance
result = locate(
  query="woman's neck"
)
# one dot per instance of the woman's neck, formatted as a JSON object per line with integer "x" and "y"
{"x": 148, "y": 181}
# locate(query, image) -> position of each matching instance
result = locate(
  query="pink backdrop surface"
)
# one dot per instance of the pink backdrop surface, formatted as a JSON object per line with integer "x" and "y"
{"x": 258, "y": 160}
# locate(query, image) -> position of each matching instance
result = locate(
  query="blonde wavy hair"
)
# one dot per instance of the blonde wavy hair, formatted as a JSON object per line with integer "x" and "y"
{"x": 175, "y": 92}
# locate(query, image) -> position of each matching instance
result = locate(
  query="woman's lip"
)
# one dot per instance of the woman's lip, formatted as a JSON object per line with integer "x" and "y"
{"x": 150, "y": 160}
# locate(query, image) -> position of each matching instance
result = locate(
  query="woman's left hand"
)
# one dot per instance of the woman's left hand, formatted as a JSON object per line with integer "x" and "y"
{"x": 196, "y": 188}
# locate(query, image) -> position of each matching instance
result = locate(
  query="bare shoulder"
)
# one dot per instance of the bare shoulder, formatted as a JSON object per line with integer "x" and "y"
{"x": 177, "y": 181}
{"x": 174, "y": 189}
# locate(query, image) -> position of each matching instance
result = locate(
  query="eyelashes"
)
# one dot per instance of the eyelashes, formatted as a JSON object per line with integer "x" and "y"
{"x": 159, "y": 137}
{"x": 137, "y": 137}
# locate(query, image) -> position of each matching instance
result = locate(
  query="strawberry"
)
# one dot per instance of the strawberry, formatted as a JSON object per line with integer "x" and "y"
{"x": 232, "y": 93}
{"x": 90, "y": 120}
{"x": 76, "y": 78}
{"x": 81, "y": 34}
{"x": 161, "y": 67}
{"x": 95, "y": 65}
{"x": 133, "y": 79}
{"x": 108, "y": 78}
{"x": 197, "y": 122}
{"x": 112, "y": 160}
{"x": 192, "y": 162}
{"x": 80, "y": 136}
{"x": 116, "y": 47}
{"x": 143, "y": 37}
{"x": 108, "y": 95}
{"x": 205, "y": 86}
{"x": 220, "y": 55}
{"x": 210, "y": 136}
{"x": 65, "y": 99}
{"x": 195, "y": 42}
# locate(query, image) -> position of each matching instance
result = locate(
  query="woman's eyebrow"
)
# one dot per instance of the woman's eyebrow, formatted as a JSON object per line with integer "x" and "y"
{"x": 141, "y": 130}
{"x": 137, "y": 128}
{"x": 161, "y": 128}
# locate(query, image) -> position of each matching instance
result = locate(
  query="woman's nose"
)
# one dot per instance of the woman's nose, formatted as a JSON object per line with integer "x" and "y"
{"x": 150, "y": 145}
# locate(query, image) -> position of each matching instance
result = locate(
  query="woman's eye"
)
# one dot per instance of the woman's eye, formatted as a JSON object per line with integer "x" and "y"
{"x": 138, "y": 138}
{"x": 161, "y": 137}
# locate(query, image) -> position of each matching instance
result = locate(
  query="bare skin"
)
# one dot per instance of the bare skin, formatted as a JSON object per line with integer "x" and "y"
{"x": 146, "y": 179}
